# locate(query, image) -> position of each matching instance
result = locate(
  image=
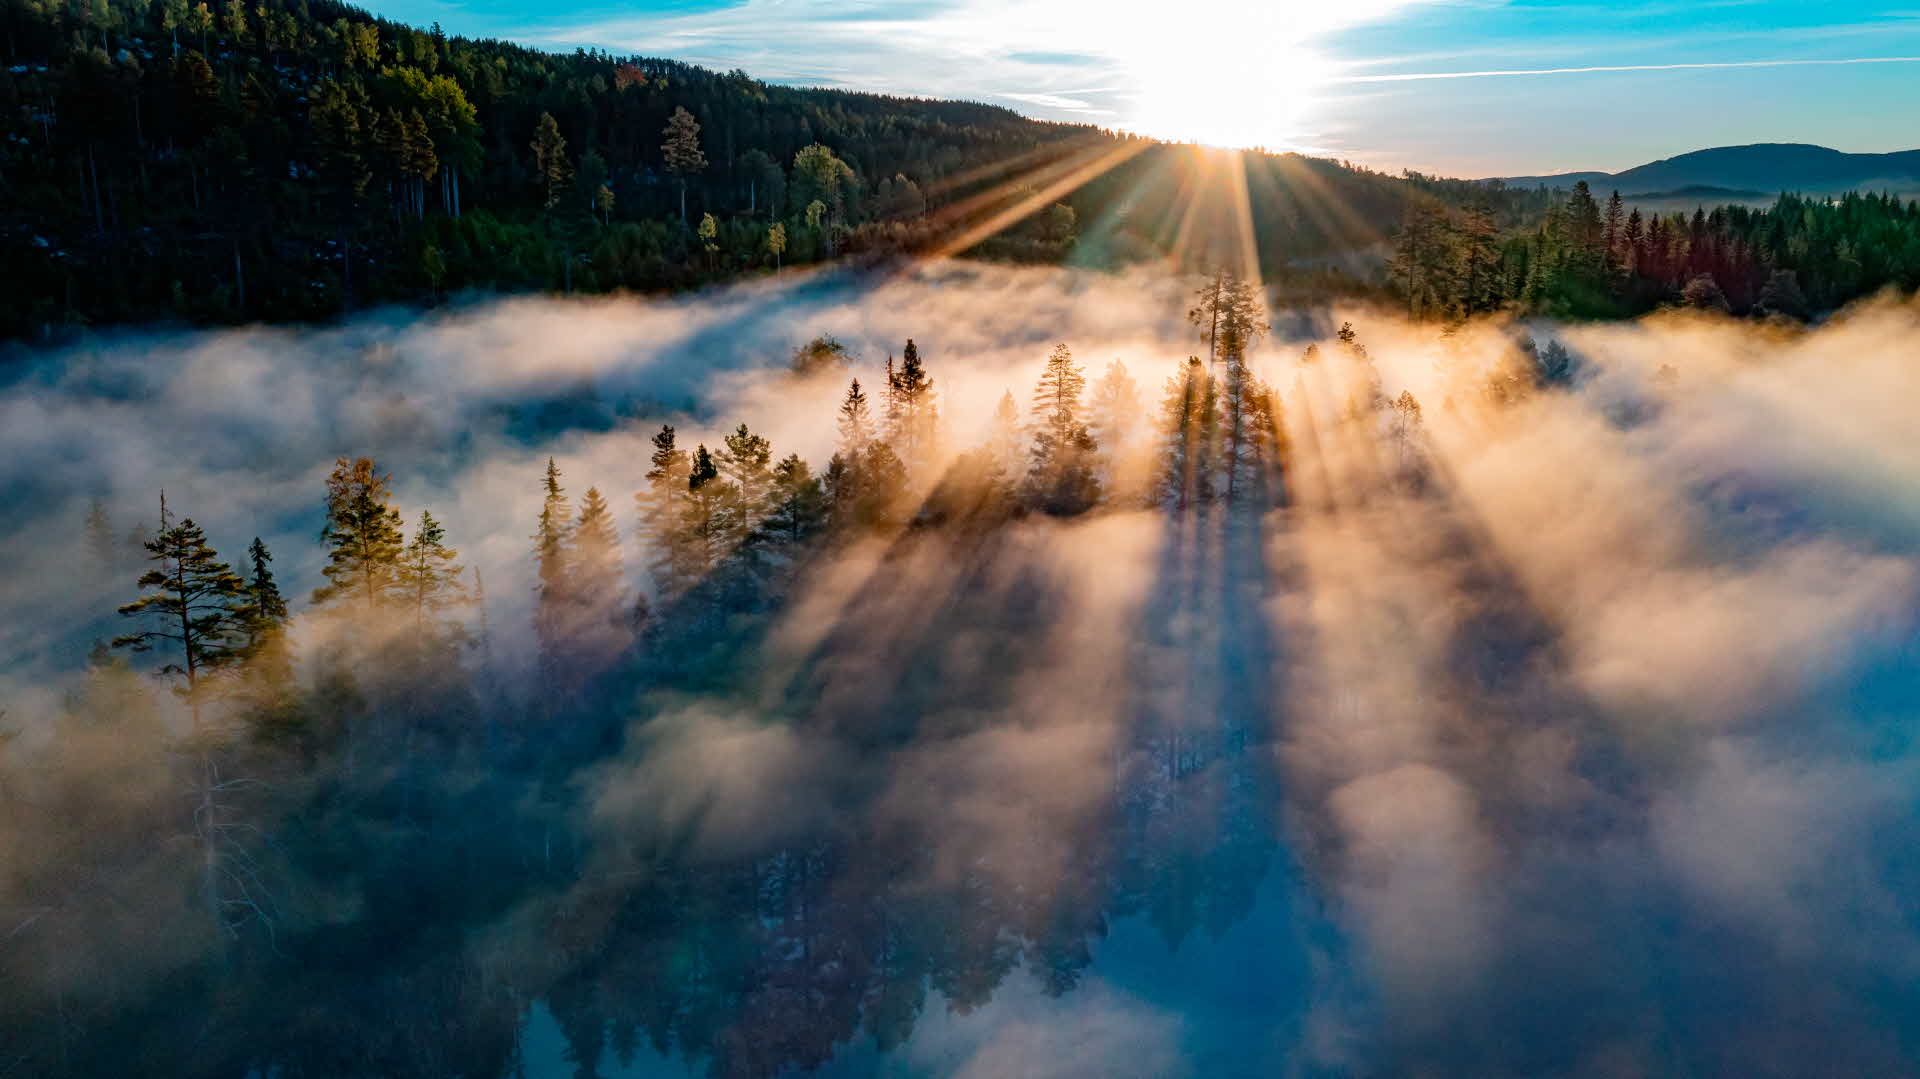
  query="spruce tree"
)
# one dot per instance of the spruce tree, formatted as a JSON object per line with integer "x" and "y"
{"x": 194, "y": 603}
{"x": 661, "y": 510}
{"x": 1061, "y": 479}
{"x": 918, "y": 414}
{"x": 1613, "y": 232}
{"x": 553, "y": 561}
{"x": 705, "y": 514}
{"x": 747, "y": 463}
{"x": 599, "y": 620}
{"x": 1189, "y": 420}
{"x": 1003, "y": 441}
{"x": 1115, "y": 409}
{"x": 267, "y": 674}
{"x": 855, "y": 422}
{"x": 266, "y": 609}
{"x": 362, "y": 536}
{"x": 429, "y": 577}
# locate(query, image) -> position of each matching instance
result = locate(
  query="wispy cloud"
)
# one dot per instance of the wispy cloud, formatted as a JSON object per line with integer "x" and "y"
{"x": 1422, "y": 76}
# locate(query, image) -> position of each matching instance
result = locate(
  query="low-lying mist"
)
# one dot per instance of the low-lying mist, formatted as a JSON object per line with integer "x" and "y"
{"x": 1533, "y": 699}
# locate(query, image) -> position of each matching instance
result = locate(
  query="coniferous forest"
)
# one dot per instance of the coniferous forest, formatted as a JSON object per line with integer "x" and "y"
{"x": 533, "y": 564}
{"x": 294, "y": 161}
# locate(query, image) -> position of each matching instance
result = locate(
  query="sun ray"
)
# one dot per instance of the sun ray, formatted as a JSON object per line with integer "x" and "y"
{"x": 1027, "y": 206}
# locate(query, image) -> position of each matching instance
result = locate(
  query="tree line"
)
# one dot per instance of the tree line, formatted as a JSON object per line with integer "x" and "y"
{"x": 719, "y": 518}
{"x": 1588, "y": 259}
{"x": 290, "y": 159}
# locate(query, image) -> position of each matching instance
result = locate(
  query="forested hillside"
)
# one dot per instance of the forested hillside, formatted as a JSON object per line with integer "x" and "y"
{"x": 1584, "y": 258}
{"x": 292, "y": 160}
{"x": 295, "y": 159}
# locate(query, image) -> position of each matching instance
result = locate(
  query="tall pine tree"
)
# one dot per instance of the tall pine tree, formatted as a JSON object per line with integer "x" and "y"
{"x": 362, "y": 535}
{"x": 195, "y": 604}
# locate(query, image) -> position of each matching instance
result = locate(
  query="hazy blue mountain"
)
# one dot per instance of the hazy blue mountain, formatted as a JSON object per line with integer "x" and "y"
{"x": 1767, "y": 167}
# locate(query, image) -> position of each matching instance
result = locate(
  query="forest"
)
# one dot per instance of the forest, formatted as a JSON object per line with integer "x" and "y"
{"x": 167, "y": 161}
{"x": 529, "y": 564}
{"x": 1587, "y": 259}
{"x": 783, "y": 759}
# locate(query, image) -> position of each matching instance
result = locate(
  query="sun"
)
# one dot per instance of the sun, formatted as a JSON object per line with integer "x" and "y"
{"x": 1232, "y": 106}
{"x": 1228, "y": 73}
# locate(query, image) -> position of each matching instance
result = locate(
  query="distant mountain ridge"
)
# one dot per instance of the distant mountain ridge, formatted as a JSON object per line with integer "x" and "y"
{"x": 1766, "y": 167}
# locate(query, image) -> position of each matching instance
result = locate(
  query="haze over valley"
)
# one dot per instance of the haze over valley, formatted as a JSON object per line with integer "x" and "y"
{"x": 530, "y": 557}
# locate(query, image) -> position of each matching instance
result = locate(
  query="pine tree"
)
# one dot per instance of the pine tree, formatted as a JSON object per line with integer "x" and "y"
{"x": 661, "y": 510}
{"x": 1061, "y": 478}
{"x": 1115, "y": 406}
{"x": 1426, "y": 263}
{"x": 1479, "y": 281}
{"x": 1189, "y": 420}
{"x": 266, "y": 607}
{"x": 1207, "y": 312}
{"x": 1613, "y": 232}
{"x": 267, "y": 674}
{"x": 553, "y": 561}
{"x": 890, "y": 415}
{"x": 1056, "y": 398}
{"x": 1228, "y": 315}
{"x": 1406, "y": 433}
{"x": 1003, "y": 442}
{"x": 681, "y": 151}
{"x": 705, "y": 513}
{"x": 196, "y": 604}
{"x": 747, "y": 463}
{"x": 598, "y": 624}
{"x": 362, "y": 536}
{"x": 429, "y": 577}
{"x": 798, "y": 506}
{"x": 919, "y": 416}
{"x": 856, "y": 422}
{"x": 1114, "y": 421}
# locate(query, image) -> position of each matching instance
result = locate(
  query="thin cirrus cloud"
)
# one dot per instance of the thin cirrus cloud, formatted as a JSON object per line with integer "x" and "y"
{"x": 1420, "y": 76}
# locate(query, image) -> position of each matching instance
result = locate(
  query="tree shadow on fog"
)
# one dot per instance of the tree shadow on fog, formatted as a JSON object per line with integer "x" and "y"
{"x": 1473, "y": 743}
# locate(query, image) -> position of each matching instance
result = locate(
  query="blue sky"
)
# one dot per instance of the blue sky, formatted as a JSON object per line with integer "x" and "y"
{"x": 1334, "y": 78}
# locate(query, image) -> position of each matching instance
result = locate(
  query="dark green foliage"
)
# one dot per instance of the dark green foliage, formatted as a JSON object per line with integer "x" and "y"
{"x": 553, "y": 566}
{"x": 195, "y": 606}
{"x": 1797, "y": 258}
{"x": 324, "y": 159}
{"x": 428, "y": 580}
